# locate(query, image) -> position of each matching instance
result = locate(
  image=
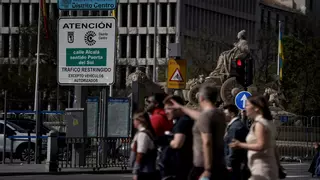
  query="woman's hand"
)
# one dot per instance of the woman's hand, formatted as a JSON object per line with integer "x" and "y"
{"x": 234, "y": 144}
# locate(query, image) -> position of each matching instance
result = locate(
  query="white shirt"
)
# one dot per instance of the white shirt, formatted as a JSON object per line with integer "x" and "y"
{"x": 232, "y": 120}
{"x": 144, "y": 142}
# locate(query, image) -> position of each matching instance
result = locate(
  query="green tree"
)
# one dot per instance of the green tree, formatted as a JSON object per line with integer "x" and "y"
{"x": 300, "y": 77}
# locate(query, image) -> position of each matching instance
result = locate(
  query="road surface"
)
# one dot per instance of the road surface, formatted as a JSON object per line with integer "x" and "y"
{"x": 296, "y": 171}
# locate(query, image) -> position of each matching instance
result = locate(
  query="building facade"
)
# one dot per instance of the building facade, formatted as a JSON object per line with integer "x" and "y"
{"x": 176, "y": 21}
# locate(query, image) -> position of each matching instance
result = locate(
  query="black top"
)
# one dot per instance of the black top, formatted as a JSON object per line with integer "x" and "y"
{"x": 184, "y": 126}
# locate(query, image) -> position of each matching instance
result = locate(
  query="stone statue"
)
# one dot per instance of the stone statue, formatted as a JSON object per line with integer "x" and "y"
{"x": 240, "y": 49}
{"x": 138, "y": 75}
{"x": 276, "y": 99}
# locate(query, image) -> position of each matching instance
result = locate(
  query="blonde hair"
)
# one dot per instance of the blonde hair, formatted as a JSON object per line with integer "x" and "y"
{"x": 140, "y": 117}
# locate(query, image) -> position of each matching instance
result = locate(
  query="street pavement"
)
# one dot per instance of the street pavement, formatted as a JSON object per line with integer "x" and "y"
{"x": 68, "y": 177}
{"x": 298, "y": 171}
{"x": 295, "y": 171}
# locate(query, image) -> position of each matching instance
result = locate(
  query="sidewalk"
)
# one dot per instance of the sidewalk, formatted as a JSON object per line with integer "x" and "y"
{"x": 40, "y": 169}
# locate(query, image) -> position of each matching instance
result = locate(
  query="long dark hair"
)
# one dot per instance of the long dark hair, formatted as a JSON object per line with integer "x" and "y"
{"x": 261, "y": 103}
{"x": 148, "y": 124}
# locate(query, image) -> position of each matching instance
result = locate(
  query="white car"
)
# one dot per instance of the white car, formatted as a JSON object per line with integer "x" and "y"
{"x": 18, "y": 138}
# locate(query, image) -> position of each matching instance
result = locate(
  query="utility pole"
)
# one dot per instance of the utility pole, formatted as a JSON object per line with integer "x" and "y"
{"x": 36, "y": 93}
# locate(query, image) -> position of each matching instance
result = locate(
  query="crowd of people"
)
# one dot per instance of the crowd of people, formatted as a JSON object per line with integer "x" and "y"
{"x": 176, "y": 142}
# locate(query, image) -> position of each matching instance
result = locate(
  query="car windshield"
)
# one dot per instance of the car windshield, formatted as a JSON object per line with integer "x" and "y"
{"x": 17, "y": 128}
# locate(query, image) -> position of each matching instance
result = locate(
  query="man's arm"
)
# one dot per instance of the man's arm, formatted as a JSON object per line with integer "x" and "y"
{"x": 177, "y": 141}
{"x": 207, "y": 149}
{"x": 194, "y": 114}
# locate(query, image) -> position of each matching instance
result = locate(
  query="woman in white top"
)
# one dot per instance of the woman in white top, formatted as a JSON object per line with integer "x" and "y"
{"x": 143, "y": 150}
{"x": 261, "y": 141}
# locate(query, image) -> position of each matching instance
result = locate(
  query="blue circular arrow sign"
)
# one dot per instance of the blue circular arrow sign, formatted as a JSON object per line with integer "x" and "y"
{"x": 241, "y": 99}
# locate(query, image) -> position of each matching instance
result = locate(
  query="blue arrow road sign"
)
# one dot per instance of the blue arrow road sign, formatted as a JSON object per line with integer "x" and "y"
{"x": 87, "y": 4}
{"x": 241, "y": 99}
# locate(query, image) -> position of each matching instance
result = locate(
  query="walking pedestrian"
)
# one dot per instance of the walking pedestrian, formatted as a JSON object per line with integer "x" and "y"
{"x": 261, "y": 141}
{"x": 208, "y": 133}
{"x": 143, "y": 150}
{"x": 235, "y": 158}
{"x": 181, "y": 144}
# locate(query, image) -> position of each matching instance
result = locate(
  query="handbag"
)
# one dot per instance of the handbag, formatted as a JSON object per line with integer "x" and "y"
{"x": 282, "y": 173}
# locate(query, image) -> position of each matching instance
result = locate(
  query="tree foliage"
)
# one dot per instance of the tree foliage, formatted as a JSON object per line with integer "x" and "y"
{"x": 300, "y": 78}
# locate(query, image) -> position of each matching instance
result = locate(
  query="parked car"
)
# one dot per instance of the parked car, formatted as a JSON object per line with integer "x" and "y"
{"x": 30, "y": 125}
{"x": 20, "y": 148}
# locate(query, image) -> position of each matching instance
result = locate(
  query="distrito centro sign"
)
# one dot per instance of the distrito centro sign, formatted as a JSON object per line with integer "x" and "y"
{"x": 87, "y": 4}
{"x": 86, "y": 50}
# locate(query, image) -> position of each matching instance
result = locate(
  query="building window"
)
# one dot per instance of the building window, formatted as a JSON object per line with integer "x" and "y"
{"x": 55, "y": 10}
{"x": 163, "y": 15}
{"x": 95, "y": 13}
{"x": 15, "y": 45}
{"x": 16, "y": 15}
{"x": 152, "y": 46}
{"x": 5, "y": 45}
{"x": 124, "y": 15}
{"x": 173, "y": 8}
{"x": 6, "y": 14}
{"x": 143, "y": 46}
{"x": 85, "y": 13}
{"x": 144, "y": 14}
{"x": 35, "y": 12}
{"x": 311, "y": 5}
{"x": 152, "y": 15}
{"x": 163, "y": 45}
{"x": 105, "y": 13}
{"x": 133, "y": 46}
{"x": 286, "y": 29}
{"x": 26, "y": 9}
{"x": 24, "y": 45}
{"x": 134, "y": 15}
{"x": 123, "y": 46}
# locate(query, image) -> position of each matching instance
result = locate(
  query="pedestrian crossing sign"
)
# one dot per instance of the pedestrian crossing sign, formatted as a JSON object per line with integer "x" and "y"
{"x": 177, "y": 69}
{"x": 176, "y": 76}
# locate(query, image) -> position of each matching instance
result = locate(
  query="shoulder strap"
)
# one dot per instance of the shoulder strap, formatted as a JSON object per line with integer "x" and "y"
{"x": 148, "y": 134}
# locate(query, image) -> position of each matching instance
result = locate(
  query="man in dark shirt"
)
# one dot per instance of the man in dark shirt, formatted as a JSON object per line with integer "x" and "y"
{"x": 182, "y": 137}
{"x": 208, "y": 133}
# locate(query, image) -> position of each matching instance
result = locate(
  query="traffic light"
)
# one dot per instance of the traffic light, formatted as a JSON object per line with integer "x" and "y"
{"x": 243, "y": 71}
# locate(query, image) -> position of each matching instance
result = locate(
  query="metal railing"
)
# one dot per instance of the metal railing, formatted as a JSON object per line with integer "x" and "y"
{"x": 94, "y": 153}
{"x": 295, "y": 137}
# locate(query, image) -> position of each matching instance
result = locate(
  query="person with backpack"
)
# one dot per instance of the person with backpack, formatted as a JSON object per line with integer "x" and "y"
{"x": 143, "y": 150}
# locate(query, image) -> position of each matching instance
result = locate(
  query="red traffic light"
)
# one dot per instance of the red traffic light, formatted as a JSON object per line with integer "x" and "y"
{"x": 239, "y": 62}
